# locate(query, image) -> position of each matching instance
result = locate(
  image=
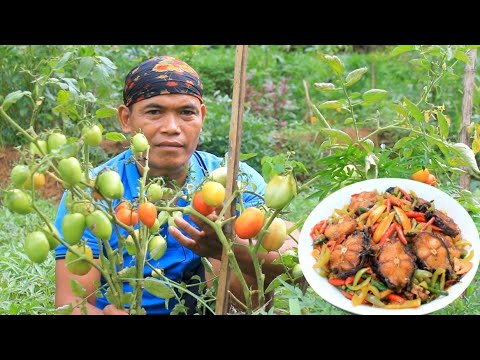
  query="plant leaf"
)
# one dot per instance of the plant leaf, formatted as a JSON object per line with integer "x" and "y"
{"x": 373, "y": 95}
{"x": 61, "y": 63}
{"x": 158, "y": 288}
{"x": 86, "y": 65}
{"x": 401, "y": 49}
{"x": 334, "y": 133}
{"x": 105, "y": 112}
{"x": 414, "y": 111}
{"x": 114, "y": 136}
{"x": 462, "y": 156}
{"x": 77, "y": 288}
{"x": 443, "y": 124}
{"x": 332, "y": 104}
{"x": 276, "y": 282}
{"x": 294, "y": 306}
{"x": 335, "y": 63}
{"x": 13, "y": 97}
{"x": 324, "y": 86}
{"x": 355, "y": 76}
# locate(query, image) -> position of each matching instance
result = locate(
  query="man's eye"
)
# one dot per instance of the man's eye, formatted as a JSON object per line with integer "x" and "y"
{"x": 188, "y": 112}
{"x": 153, "y": 112}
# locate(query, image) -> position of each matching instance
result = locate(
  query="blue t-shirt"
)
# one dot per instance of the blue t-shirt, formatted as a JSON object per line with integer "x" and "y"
{"x": 178, "y": 262}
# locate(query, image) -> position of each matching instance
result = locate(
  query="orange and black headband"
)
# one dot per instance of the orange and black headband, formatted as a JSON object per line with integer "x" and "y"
{"x": 161, "y": 75}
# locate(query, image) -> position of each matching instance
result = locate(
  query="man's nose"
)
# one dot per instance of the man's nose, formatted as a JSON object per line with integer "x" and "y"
{"x": 169, "y": 123}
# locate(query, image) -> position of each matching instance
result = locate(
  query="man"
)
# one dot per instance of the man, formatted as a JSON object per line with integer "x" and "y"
{"x": 163, "y": 98}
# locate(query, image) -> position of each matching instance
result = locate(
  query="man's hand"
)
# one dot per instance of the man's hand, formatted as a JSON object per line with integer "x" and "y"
{"x": 112, "y": 310}
{"x": 204, "y": 242}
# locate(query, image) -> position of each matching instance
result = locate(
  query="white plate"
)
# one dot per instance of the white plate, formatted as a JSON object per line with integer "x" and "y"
{"x": 342, "y": 197}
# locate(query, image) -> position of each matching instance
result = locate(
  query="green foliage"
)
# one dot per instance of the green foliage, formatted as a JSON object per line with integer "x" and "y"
{"x": 26, "y": 288}
{"x": 216, "y": 129}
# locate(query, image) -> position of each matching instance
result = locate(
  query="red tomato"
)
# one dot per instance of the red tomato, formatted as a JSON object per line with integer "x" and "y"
{"x": 199, "y": 205}
{"x": 249, "y": 223}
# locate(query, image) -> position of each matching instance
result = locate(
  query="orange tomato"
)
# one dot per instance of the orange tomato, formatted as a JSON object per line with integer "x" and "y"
{"x": 38, "y": 181}
{"x": 127, "y": 216}
{"x": 432, "y": 180}
{"x": 249, "y": 223}
{"x": 147, "y": 213}
{"x": 421, "y": 175}
{"x": 200, "y": 205}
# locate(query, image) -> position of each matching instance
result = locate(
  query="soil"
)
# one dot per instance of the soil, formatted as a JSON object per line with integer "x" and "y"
{"x": 52, "y": 190}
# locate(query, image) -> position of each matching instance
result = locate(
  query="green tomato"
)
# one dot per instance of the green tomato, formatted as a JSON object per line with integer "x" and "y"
{"x": 157, "y": 246}
{"x": 280, "y": 191}
{"x": 55, "y": 141}
{"x": 154, "y": 192}
{"x": 70, "y": 170}
{"x": 36, "y": 246}
{"x": 110, "y": 185}
{"x": 18, "y": 201}
{"x": 92, "y": 135}
{"x": 220, "y": 175}
{"x": 139, "y": 143}
{"x": 43, "y": 146}
{"x": 297, "y": 271}
{"x": 73, "y": 226}
{"x": 78, "y": 265}
{"x": 155, "y": 227}
{"x": 99, "y": 225}
{"x": 19, "y": 174}
{"x": 83, "y": 207}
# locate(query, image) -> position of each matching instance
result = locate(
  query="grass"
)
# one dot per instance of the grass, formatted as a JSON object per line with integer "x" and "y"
{"x": 25, "y": 287}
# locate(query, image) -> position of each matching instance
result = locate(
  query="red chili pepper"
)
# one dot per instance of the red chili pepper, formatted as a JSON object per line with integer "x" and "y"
{"x": 387, "y": 234}
{"x": 430, "y": 222}
{"x": 349, "y": 280}
{"x": 436, "y": 228}
{"x": 405, "y": 193}
{"x": 412, "y": 214}
{"x": 395, "y": 298}
{"x": 336, "y": 282}
{"x": 401, "y": 235}
{"x": 389, "y": 206}
{"x": 347, "y": 295}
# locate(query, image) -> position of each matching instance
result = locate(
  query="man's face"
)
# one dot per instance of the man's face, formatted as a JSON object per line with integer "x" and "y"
{"x": 172, "y": 125}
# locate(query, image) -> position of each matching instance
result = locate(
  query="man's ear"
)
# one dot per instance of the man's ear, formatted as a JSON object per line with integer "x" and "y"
{"x": 203, "y": 109}
{"x": 124, "y": 117}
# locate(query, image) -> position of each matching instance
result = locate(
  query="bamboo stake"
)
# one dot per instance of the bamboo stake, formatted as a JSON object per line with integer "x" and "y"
{"x": 309, "y": 102}
{"x": 238, "y": 98}
{"x": 467, "y": 105}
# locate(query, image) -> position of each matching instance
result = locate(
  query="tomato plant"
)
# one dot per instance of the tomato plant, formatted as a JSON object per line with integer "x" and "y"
{"x": 147, "y": 213}
{"x": 275, "y": 236}
{"x": 154, "y": 192}
{"x": 220, "y": 175}
{"x": 78, "y": 265}
{"x": 139, "y": 143}
{"x": 157, "y": 246}
{"x": 99, "y": 225}
{"x": 73, "y": 226}
{"x": 213, "y": 193}
{"x": 38, "y": 181}
{"x": 55, "y": 141}
{"x": 52, "y": 240}
{"x": 70, "y": 170}
{"x": 200, "y": 205}
{"x": 110, "y": 185}
{"x": 280, "y": 190}
{"x": 18, "y": 201}
{"x": 37, "y": 246}
{"x": 249, "y": 223}
{"x": 92, "y": 135}
{"x": 19, "y": 174}
{"x": 127, "y": 216}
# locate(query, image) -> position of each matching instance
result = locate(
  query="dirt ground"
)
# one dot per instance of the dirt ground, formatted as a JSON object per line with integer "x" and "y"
{"x": 52, "y": 190}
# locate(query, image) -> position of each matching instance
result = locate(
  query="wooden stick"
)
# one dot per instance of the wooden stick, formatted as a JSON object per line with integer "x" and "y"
{"x": 238, "y": 99}
{"x": 309, "y": 103}
{"x": 467, "y": 105}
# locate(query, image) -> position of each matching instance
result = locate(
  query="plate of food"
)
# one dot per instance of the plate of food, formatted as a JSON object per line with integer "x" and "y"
{"x": 389, "y": 247}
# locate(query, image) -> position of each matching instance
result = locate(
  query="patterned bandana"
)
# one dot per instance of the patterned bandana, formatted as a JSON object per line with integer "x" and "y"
{"x": 161, "y": 75}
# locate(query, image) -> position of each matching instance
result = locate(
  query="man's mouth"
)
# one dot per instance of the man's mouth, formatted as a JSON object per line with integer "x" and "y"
{"x": 169, "y": 145}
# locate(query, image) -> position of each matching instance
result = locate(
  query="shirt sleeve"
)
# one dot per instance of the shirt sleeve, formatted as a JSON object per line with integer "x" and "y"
{"x": 257, "y": 184}
{"x": 90, "y": 239}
